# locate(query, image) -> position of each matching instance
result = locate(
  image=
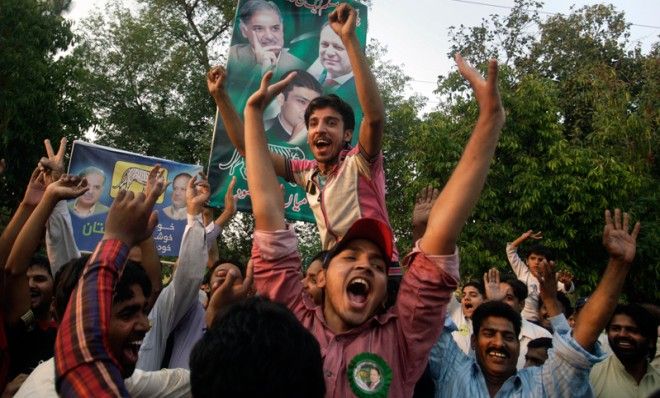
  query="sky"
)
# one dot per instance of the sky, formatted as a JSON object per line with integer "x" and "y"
{"x": 415, "y": 32}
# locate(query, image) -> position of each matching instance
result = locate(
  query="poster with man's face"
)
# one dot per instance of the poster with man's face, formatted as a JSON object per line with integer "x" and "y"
{"x": 109, "y": 170}
{"x": 283, "y": 36}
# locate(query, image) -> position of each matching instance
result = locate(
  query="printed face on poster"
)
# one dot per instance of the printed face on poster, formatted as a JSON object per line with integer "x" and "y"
{"x": 110, "y": 170}
{"x": 283, "y": 36}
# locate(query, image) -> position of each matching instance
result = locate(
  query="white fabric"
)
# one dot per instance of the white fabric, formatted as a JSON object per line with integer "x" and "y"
{"x": 529, "y": 332}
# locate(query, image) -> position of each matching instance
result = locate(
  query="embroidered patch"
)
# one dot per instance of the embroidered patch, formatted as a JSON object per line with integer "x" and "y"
{"x": 369, "y": 375}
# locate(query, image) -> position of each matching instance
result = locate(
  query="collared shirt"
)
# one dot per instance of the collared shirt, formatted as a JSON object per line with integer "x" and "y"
{"x": 529, "y": 332}
{"x": 531, "y": 309}
{"x": 354, "y": 189}
{"x": 164, "y": 383}
{"x": 84, "y": 364}
{"x": 177, "y": 313}
{"x": 402, "y": 336}
{"x": 610, "y": 379}
{"x": 564, "y": 374}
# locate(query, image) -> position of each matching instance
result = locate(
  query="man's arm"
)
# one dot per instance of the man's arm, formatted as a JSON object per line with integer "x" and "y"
{"x": 83, "y": 363}
{"x": 27, "y": 242}
{"x": 233, "y": 124}
{"x": 621, "y": 246}
{"x": 265, "y": 193}
{"x": 342, "y": 21}
{"x": 462, "y": 191}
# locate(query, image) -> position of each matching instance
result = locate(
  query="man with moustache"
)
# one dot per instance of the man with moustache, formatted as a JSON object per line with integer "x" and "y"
{"x": 632, "y": 333}
{"x": 492, "y": 371}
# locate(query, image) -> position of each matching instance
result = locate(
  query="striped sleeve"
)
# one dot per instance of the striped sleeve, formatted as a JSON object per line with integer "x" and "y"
{"x": 84, "y": 365}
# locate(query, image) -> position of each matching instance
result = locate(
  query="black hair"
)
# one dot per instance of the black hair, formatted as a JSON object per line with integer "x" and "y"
{"x": 645, "y": 321}
{"x": 257, "y": 348}
{"x": 519, "y": 288}
{"x": 542, "y": 251}
{"x": 301, "y": 79}
{"x": 248, "y": 9}
{"x": 320, "y": 256}
{"x": 540, "y": 342}
{"x": 497, "y": 309}
{"x": 66, "y": 280}
{"x": 41, "y": 261}
{"x": 133, "y": 274}
{"x": 564, "y": 301}
{"x": 222, "y": 260}
{"x": 477, "y": 285}
{"x": 336, "y": 103}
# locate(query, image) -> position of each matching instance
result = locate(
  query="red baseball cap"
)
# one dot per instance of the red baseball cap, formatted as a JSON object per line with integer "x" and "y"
{"x": 370, "y": 229}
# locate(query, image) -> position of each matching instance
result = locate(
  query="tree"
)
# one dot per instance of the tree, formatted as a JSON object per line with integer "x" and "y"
{"x": 39, "y": 94}
{"x": 145, "y": 71}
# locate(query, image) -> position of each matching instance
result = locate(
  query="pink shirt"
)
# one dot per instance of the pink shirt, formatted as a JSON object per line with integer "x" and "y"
{"x": 403, "y": 336}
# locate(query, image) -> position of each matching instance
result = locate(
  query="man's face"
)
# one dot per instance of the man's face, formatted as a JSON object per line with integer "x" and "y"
{"x": 332, "y": 53}
{"x": 533, "y": 261}
{"x": 220, "y": 274}
{"x": 128, "y": 325}
{"x": 309, "y": 281}
{"x": 496, "y": 347}
{"x": 41, "y": 287}
{"x": 95, "y": 183}
{"x": 326, "y": 135}
{"x": 472, "y": 298}
{"x": 265, "y": 29}
{"x": 355, "y": 284}
{"x": 179, "y": 186}
{"x": 293, "y": 105}
{"x": 626, "y": 339}
{"x": 536, "y": 356}
{"x": 511, "y": 298}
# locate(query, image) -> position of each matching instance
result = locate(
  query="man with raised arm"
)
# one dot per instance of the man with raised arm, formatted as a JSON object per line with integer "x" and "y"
{"x": 354, "y": 330}
{"x": 87, "y": 360}
{"x": 497, "y": 325}
{"x": 343, "y": 184}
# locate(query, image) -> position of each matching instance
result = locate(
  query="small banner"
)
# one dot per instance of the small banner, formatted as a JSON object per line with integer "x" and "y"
{"x": 282, "y": 36}
{"x": 110, "y": 170}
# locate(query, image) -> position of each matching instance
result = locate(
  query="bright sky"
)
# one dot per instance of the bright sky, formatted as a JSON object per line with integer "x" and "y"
{"x": 415, "y": 32}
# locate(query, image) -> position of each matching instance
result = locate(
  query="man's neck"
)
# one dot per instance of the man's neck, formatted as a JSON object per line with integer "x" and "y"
{"x": 285, "y": 125}
{"x": 326, "y": 167}
{"x": 494, "y": 383}
{"x": 636, "y": 367}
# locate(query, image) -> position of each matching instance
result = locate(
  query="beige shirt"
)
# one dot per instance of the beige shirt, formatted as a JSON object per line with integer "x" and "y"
{"x": 610, "y": 379}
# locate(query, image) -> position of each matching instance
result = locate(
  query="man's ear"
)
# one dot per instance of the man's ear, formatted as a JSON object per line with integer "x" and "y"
{"x": 348, "y": 136}
{"x": 243, "y": 29}
{"x": 320, "y": 279}
{"x": 280, "y": 99}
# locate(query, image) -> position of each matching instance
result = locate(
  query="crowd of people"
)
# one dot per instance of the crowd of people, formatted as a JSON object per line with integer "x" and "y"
{"x": 358, "y": 320}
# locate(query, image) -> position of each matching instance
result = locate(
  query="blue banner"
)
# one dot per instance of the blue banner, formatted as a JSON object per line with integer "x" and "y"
{"x": 110, "y": 170}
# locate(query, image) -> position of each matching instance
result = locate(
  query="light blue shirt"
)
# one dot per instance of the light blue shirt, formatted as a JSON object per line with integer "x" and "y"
{"x": 564, "y": 374}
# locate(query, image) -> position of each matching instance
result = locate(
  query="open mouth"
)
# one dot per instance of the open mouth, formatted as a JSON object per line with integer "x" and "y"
{"x": 498, "y": 355}
{"x": 322, "y": 143}
{"x": 358, "y": 290}
{"x": 131, "y": 351}
{"x": 625, "y": 344}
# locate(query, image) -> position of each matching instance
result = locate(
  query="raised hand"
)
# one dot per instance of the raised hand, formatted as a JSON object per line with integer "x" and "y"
{"x": 215, "y": 81}
{"x": 53, "y": 164}
{"x": 532, "y": 235}
{"x": 492, "y": 285}
{"x": 486, "y": 91}
{"x": 619, "y": 243}
{"x": 262, "y": 97}
{"x": 547, "y": 277}
{"x": 423, "y": 205}
{"x": 566, "y": 278}
{"x": 230, "y": 291}
{"x": 343, "y": 20}
{"x": 35, "y": 188}
{"x": 156, "y": 179}
{"x": 197, "y": 194}
{"x": 131, "y": 218}
{"x": 67, "y": 187}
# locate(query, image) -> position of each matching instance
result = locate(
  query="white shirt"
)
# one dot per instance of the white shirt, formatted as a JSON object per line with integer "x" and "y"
{"x": 529, "y": 332}
{"x": 166, "y": 383}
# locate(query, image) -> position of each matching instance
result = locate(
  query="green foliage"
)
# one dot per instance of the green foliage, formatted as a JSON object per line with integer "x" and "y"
{"x": 39, "y": 94}
{"x": 580, "y": 136}
{"x": 145, "y": 73}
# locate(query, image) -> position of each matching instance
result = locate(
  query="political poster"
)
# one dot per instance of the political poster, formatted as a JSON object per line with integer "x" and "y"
{"x": 110, "y": 170}
{"x": 282, "y": 36}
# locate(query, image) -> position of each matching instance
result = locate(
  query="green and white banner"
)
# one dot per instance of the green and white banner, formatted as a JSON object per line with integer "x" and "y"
{"x": 282, "y": 35}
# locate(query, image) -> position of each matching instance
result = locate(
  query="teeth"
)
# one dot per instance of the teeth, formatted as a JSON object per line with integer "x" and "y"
{"x": 360, "y": 281}
{"x": 497, "y": 354}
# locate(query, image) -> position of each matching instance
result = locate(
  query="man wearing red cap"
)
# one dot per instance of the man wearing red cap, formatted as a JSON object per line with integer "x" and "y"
{"x": 355, "y": 332}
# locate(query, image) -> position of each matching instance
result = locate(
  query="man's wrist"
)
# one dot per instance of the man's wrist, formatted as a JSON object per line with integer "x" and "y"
{"x": 118, "y": 236}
